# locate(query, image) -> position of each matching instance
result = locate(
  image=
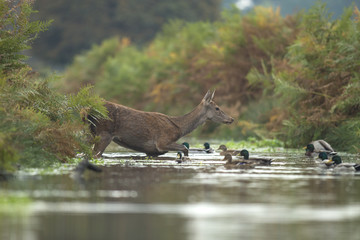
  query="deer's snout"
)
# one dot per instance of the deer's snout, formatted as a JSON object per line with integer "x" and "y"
{"x": 230, "y": 121}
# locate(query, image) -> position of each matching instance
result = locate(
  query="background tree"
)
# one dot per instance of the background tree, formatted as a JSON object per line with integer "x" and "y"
{"x": 78, "y": 24}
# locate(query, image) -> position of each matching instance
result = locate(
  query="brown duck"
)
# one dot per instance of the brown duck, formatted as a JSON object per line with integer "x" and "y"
{"x": 233, "y": 164}
{"x": 228, "y": 151}
{"x": 257, "y": 160}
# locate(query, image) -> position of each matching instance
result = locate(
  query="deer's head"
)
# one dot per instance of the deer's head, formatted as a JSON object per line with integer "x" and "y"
{"x": 213, "y": 111}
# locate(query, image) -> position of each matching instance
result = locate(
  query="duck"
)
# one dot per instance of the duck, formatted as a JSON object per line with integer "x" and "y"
{"x": 340, "y": 167}
{"x": 336, "y": 163}
{"x": 230, "y": 163}
{"x": 256, "y": 160}
{"x": 317, "y": 146}
{"x": 78, "y": 172}
{"x": 206, "y": 149}
{"x": 179, "y": 157}
{"x": 324, "y": 160}
{"x": 225, "y": 151}
{"x": 85, "y": 164}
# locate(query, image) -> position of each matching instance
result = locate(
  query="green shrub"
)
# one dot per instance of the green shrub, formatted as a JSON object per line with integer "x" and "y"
{"x": 38, "y": 126}
{"x": 321, "y": 80}
{"x": 17, "y": 32}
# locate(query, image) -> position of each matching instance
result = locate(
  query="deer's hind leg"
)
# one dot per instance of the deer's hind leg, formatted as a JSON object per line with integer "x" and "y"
{"x": 102, "y": 143}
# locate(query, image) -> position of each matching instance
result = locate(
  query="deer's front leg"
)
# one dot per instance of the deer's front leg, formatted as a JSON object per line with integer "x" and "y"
{"x": 101, "y": 144}
{"x": 173, "y": 147}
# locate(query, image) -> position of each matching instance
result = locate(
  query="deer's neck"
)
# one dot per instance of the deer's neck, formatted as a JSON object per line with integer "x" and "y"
{"x": 190, "y": 121}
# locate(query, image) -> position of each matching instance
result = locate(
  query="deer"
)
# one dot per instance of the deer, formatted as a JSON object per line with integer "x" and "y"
{"x": 152, "y": 133}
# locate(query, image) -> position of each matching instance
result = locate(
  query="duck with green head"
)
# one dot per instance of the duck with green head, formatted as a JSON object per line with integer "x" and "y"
{"x": 225, "y": 151}
{"x": 206, "y": 149}
{"x": 336, "y": 163}
{"x": 257, "y": 160}
{"x": 324, "y": 159}
{"x": 315, "y": 147}
{"x": 340, "y": 167}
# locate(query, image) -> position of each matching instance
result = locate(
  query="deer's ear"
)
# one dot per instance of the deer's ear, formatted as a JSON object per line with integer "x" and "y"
{"x": 212, "y": 96}
{"x": 207, "y": 97}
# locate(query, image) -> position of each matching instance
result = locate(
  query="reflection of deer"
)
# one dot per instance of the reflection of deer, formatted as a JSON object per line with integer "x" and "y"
{"x": 151, "y": 132}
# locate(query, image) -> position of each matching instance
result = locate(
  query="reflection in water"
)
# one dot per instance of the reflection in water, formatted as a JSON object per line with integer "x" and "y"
{"x": 196, "y": 200}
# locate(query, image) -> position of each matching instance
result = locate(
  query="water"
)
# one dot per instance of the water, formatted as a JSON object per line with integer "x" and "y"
{"x": 198, "y": 199}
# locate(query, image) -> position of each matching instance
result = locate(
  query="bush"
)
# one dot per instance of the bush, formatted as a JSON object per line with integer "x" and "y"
{"x": 187, "y": 59}
{"x": 37, "y": 125}
{"x": 321, "y": 80}
{"x": 17, "y": 32}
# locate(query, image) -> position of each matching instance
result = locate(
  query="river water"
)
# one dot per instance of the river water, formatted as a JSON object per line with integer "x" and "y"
{"x": 198, "y": 199}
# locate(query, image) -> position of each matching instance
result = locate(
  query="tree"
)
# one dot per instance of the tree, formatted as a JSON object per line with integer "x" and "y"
{"x": 17, "y": 32}
{"x": 79, "y": 24}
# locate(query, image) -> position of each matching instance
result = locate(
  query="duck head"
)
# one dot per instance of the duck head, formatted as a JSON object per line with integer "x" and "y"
{"x": 207, "y": 145}
{"x": 323, "y": 156}
{"x": 222, "y": 147}
{"x": 309, "y": 149}
{"x": 186, "y": 144}
{"x": 336, "y": 160}
{"x": 245, "y": 154}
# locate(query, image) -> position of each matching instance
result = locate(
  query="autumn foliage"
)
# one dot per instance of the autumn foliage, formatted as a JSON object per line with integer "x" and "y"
{"x": 295, "y": 77}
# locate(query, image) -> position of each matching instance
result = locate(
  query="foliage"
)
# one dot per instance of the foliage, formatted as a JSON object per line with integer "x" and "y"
{"x": 79, "y": 24}
{"x": 321, "y": 80}
{"x": 289, "y": 7}
{"x": 8, "y": 155}
{"x": 186, "y": 59}
{"x": 43, "y": 125}
{"x": 17, "y": 32}
{"x": 14, "y": 205}
{"x": 37, "y": 124}
{"x": 254, "y": 144}
{"x": 116, "y": 68}
{"x": 294, "y": 77}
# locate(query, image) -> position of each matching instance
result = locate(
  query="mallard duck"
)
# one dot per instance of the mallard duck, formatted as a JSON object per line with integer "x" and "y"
{"x": 85, "y": 164}
{"x": 197, "y": 150}
{"x": 315, "y": 147}
{"x": 336, "y": 163}
{"x": 77, "y": 174}
{"x": 225, "y": 151}
{"x": 340, "y": 167}
{"x": 206, "y": 149}
{"x": 230, "y": 163}
{"x": 179, "y": 157}
{"x": 324, "y": 159}
{"x": 256, "y": 160}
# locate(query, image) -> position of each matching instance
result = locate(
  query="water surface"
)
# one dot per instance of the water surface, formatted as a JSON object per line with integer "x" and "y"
{"x": 198, "y": 199}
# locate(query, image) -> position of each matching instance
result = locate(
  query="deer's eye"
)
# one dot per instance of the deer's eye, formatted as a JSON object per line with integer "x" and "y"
{"x": 217, "y": 109}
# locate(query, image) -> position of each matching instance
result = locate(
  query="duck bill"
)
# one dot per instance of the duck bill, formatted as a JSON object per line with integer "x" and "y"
{"x": 328, "y": 162}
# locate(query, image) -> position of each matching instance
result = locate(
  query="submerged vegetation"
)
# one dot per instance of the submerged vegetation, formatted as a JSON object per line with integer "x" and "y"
{"x": 37, "y": 124}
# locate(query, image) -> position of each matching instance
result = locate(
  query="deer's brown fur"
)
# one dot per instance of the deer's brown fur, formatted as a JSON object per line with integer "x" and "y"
{"x": 151, "y": 132}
